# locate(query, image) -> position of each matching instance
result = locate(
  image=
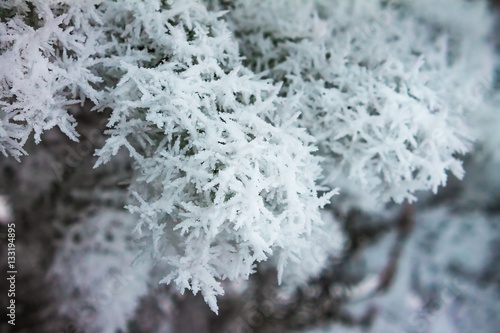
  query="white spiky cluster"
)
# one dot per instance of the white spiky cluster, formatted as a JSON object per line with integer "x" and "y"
{"x": 385, "y": 87}
{"x": 242, "y": 125}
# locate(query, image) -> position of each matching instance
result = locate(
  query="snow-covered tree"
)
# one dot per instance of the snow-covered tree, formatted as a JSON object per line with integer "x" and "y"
{"x": 370, "y": 77}
{"x": 224, "y": 179}
{"x": 241, "y": 126}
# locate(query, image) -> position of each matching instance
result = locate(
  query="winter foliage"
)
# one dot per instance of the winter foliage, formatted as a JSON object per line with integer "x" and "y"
{"x": 48, "y": 54}
{"x": 370, "y": 77}
{"x": 243, "y": 125}
{"x": 223, "y": 179}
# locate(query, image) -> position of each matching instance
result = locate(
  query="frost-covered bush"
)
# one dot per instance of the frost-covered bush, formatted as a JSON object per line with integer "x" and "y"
{"x": 385, "y": 87}
{"x": 48, "y": 51}
{"x": 242, "y": 125}
{"x": 227, "y": 177}
{"x": 223, "y": 179}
